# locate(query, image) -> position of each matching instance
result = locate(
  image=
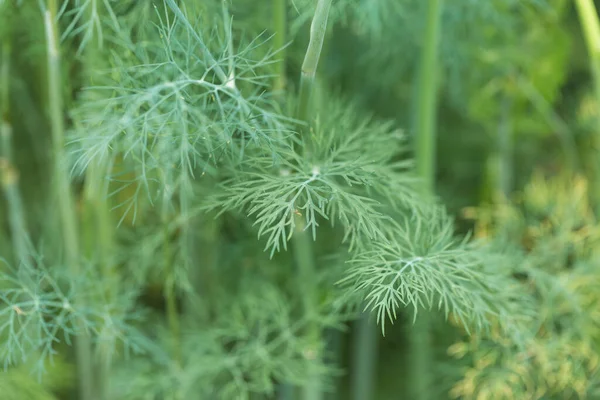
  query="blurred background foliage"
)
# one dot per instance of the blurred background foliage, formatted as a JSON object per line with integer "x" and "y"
{"x": 516, "y": 164}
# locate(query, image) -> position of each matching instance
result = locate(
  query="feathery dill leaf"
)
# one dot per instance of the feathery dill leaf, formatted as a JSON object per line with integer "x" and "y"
{"x": 425, "y": 265}
{"x": 39, "y": 313}
{"x": 338, "y": 181}
{"x": 172, "y": 112}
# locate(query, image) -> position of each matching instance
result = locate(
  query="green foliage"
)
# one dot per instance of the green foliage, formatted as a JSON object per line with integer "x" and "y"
{"x": 173, "y": 108}
{"x": 335, "y": 181}
{"x": 427, "y": 267}
{"x": 184, "y": 153}
{"x": 39, "y": 311}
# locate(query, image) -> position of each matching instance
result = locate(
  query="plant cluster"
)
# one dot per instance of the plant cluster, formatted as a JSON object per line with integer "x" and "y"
{"x": 221, "y": 202}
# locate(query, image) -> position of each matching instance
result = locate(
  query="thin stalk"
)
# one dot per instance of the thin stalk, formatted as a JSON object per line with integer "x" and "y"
{"x": 285, "y": 390}
{"x": 364, "y": 361}
{"x": 170, "y": 295}
{"x": 420, "y": 360}
{"x": 590, "y": 24}
{"x": 98, "y": 227}
{"x": 279, "y": 30}
{"x": 70, "y": 240}
{"x": 302, "y": 242}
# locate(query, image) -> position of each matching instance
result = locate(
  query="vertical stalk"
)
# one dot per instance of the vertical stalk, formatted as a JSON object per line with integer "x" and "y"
{"x": 364, "y": 361}
{"x": 70, "y": 240}
{"x": 97, "y": 227}
{"x": 279, "y": 29}
{"x": 285, "y": 390}
{"x": 305, "y": 262}
{"x": 97, "y": 233}
{"x": 427, "y": 101}
{"x": 318, "y": 28}
{"x": 302, "y": 242}
{"x": 590, "y": 24}
{"x": 420, "y": 358}
{"x": 170, "y": 293}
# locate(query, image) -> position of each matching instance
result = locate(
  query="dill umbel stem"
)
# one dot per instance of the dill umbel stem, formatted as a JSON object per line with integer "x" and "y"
{"x": 66, "y": 207}
{"x": 302, "y": 242}
{"x": 170, "y": 296}
{"x": 427, "y": 108}
{"x": 99, "y": 245}
{"x": 364, "y": 363}
{"x": 279, "y": 30}
{"x": 285, "y": 390}
{"x": 318, "y": 28}
{"x": 590, "y": 23}
{"x": 305, "y": 262}
{"x": 98, "y": 232}
{"x": 420, "y": 355}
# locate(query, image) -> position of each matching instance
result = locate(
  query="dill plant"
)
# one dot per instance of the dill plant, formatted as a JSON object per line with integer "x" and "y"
{"x": 182, "y": 139}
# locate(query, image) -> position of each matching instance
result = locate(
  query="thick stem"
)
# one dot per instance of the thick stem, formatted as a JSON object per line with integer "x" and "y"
{"x": 97, "y": 229}
{"x": 427, "y": 102}
{"x": 70, "y": 240}
{"x": 590, "y": 24}
{"x": 318, "y": 28}
{"x": 364, "y": 361}
{"x": 302, "y": 241}
{"x": 420, "y": 363}
{"x": 304, "y": 257}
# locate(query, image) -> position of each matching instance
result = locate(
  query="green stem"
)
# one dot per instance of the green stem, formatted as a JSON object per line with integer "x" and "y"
{"x": 420, "y": 359}
{"x": 279, "y": 29}
{"x": 285, "y": 390}
{"x": 427, "y": 102}
{"x": 66, "y": 207}
{"x": 365, "y": 358}
{"x": 170, "y": 296}
{"x": 590, "y": 24}
{"x": 304, "y": 258}
{"x": 98, "y": 231}
{"x": 302, "y": 241}
{"x": 318, "y": 28}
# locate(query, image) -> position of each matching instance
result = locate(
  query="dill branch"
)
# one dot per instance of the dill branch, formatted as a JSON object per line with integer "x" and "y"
{"x": 37, "y": 313}
{"x": 166, "y": 110}
{"x": 350, "y": 177}
{"x": 426, "y": 266}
